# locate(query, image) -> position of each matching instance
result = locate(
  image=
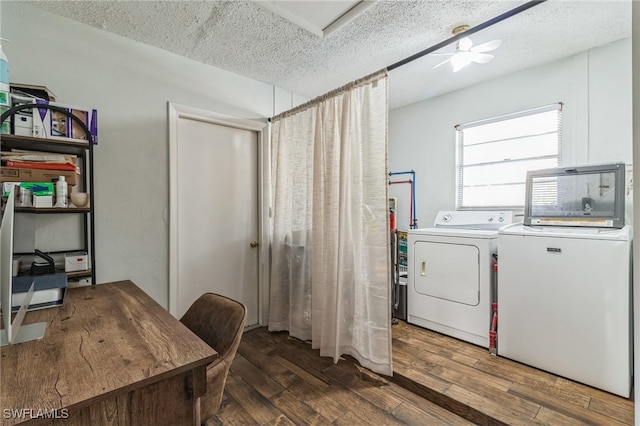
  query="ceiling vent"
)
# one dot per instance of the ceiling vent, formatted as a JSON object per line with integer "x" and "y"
{"x": 318, "y": 17}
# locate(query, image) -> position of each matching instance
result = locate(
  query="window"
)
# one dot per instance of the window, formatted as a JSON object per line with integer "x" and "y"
{"x": 494, "y": 155}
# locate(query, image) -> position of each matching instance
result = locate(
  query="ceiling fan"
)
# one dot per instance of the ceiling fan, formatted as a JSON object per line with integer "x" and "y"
{"x": 466, "y": 53}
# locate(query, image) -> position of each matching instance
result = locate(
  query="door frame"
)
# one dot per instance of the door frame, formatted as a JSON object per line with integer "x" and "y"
{"x": 175, "y": 113}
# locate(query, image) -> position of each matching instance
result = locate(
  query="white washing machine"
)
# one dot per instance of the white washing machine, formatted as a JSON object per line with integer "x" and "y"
{"x": 450, "y": 273}
{"x": 565, "y": 278}
{"x": 565, "y": 302}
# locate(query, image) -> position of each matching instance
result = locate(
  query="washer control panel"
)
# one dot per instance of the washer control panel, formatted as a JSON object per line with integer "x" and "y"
{"x": 466, "y": 219}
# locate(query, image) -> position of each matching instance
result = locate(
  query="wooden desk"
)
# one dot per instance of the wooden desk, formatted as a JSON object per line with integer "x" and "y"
{"x": 110, "y": 355}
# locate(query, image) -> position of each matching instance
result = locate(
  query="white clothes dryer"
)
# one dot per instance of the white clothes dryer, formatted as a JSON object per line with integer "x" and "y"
{"x": 450, "y": 273}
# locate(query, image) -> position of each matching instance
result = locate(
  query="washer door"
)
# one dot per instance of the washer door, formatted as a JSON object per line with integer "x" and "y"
{"x": 447, "y": 271}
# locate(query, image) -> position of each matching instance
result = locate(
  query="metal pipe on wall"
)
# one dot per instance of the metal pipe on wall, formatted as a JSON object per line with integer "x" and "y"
{"x": 413, "y": 221}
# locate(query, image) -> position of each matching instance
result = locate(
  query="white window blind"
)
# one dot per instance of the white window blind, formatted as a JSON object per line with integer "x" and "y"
{"x": 494, "y": 155}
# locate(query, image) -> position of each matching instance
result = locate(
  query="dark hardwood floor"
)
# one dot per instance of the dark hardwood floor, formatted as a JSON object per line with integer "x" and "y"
{"x": 437, "y": 380}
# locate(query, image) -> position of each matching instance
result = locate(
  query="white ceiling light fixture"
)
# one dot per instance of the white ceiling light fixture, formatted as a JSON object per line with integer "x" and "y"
{"x": 466, "y": 53}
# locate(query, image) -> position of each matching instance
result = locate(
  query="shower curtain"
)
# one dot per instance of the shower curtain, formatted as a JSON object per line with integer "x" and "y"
{"x": 330, "y": 275}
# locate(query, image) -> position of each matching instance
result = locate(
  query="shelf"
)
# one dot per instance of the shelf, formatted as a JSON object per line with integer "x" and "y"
{"x": 78, "y": 274}
{"x": 55, "y": 210}
{"x": 44, "y": 144}
{"x": 70, "y": 275}
{"x": 83, "y": 149}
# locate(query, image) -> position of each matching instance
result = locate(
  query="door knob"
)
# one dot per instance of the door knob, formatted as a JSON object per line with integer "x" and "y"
{"x": 253, "y": 244}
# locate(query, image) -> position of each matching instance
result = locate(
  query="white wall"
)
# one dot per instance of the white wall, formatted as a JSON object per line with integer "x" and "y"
{"x": 636, "y": 211}
{"x": 595, "y": 87}
{"x": 129, "y": 84}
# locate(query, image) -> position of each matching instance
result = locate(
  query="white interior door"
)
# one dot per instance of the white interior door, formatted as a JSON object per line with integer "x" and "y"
{"x": 215, "y": 212}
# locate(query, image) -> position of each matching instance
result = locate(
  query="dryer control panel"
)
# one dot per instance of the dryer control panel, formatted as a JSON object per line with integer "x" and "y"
{"x": 466, "y": 219}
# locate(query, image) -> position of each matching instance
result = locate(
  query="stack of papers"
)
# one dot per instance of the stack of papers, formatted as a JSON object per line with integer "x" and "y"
{"x": 40, "y": 160}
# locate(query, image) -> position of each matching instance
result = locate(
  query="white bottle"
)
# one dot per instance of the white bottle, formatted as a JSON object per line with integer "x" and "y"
{"x": 5, "y": 99}
{"x": 4, "y": 75}
{"x": 61, "y": 193}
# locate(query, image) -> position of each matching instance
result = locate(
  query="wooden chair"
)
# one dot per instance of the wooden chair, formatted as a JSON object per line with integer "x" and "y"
{"x": 219, "y": 321}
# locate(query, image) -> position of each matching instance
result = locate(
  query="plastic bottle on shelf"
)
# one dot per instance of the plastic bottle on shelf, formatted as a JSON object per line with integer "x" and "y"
{"x": 61, "y": 193}
{"x": 5, "y": 99}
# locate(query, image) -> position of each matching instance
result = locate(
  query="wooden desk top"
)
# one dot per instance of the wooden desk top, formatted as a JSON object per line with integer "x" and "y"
{"x": 106, "y": 339}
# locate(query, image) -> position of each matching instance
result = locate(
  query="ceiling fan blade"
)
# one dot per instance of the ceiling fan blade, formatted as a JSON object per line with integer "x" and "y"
{"x": 465, "y": 44}
{"x": 481, "y": 58}
{"x": 458, "y": 67}
{"x": 441, "y": 63}
{"x": 442, "y": 54}
{"x": 486, "y": 47}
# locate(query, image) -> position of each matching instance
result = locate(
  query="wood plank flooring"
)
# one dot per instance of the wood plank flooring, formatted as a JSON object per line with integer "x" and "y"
{"x": 438, "y": 380}
{"x": 493, "y": 390}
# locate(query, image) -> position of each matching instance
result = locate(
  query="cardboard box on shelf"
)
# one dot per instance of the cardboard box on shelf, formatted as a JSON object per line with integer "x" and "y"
{"x": 43, "y": 201}
{"x": 80, "y": 282}
{"x": 76, "y": 261}
{"x": 30, "y": 194}
{"x": 56, "y": 125}
{"x": 48, "y": 290}
{"x": 39, "y": 188}
{"x": 23, "y": 124}
{"x": 22, "y": 121}
{"x": 23, "y": 159}
{"x": 12, "y": 174}
{"x": 32, "y": 91}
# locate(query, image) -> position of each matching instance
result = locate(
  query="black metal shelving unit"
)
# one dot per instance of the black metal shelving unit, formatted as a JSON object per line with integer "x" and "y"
{"x": 84, "y": 152}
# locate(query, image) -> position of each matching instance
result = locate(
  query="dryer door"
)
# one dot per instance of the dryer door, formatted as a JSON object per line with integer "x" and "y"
{"x": 447, "y": 271}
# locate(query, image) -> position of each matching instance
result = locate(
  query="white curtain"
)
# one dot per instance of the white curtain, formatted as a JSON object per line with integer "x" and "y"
{"x": 330, "y": 279}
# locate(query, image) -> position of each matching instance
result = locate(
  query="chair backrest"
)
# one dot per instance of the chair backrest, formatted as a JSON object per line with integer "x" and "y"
{"x": 218, "y": 320}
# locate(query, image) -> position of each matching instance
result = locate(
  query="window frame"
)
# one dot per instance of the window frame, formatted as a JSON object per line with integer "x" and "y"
{"x": 460, "y": 147}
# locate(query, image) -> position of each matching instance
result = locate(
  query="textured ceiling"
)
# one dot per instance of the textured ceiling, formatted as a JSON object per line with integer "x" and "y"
{"x": 247, "y": 39}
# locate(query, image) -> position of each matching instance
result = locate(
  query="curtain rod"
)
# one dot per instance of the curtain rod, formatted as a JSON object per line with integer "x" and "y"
{"x": 490, "y": 22}
{"x": 371, "y": 78}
